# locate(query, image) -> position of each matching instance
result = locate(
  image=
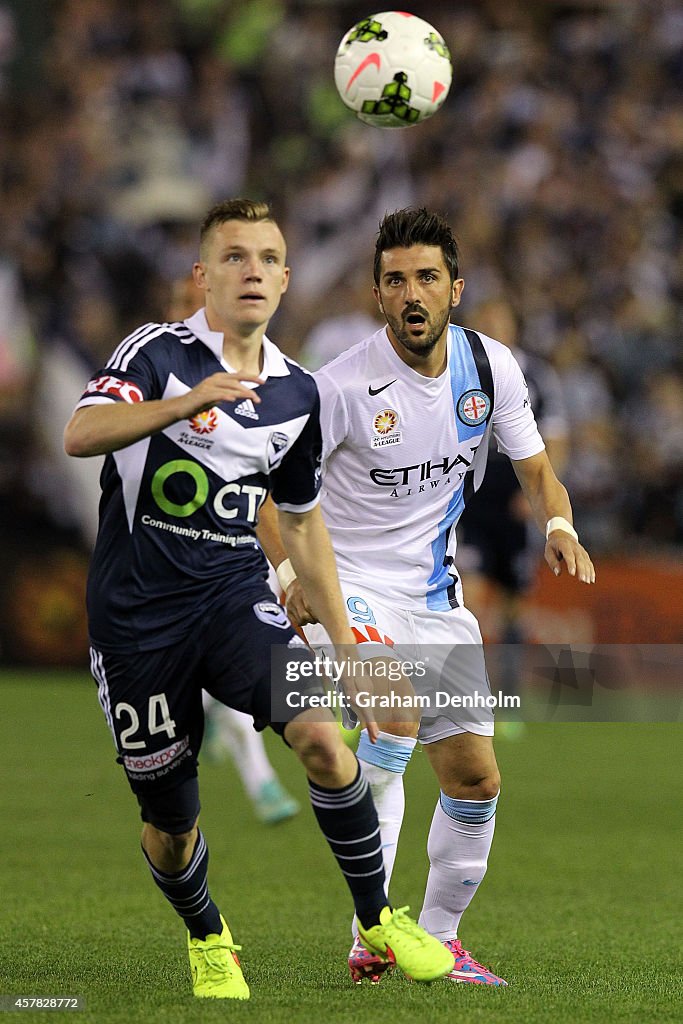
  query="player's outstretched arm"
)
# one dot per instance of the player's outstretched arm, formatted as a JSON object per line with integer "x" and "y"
{"x": 108, "y": 426}
{"x": 553, "y": 513}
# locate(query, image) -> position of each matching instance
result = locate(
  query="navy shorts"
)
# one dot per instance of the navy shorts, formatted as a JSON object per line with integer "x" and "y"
{"x": 152, "y": 700}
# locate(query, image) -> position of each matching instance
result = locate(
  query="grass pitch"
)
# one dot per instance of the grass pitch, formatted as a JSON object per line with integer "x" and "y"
{"x": 580, "y": 910}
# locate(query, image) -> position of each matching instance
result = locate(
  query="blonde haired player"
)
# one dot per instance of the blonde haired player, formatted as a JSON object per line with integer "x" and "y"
{"x": 226, "y": 730}
{"x": 177, "y": 595}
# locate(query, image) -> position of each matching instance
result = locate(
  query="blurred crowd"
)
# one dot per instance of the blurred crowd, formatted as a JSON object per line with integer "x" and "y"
{"x": 558, "y": 158}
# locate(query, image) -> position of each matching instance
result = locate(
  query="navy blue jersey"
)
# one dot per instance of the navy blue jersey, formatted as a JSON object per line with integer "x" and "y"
{"x": 178, "y": 509}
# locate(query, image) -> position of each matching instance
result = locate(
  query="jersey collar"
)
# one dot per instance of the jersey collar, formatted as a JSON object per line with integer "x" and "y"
{"x": 274, "y": 363}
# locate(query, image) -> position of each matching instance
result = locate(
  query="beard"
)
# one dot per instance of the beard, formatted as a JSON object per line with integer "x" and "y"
{"x": 425, "y": 344}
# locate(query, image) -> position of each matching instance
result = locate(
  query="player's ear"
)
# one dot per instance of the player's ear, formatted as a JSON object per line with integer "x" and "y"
{"x": 456, "y": 291}
{"x": 285, "y": 280}
{"x": 375, "y": 292}
{"x": 199, "y": 275}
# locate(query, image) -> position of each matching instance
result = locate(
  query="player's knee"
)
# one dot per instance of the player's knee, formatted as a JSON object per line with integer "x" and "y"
{"x": 318, "y": 746}
{"x": 172, "y": 843}
{"x": 474, "y": 785}
{"x": 168, "y": 851}
{"x": 488, "y": 787}
{"x": 485, "y": 787}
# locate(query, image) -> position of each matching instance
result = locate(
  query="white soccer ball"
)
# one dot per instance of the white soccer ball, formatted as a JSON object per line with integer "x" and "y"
{"x": 393, "y": 70}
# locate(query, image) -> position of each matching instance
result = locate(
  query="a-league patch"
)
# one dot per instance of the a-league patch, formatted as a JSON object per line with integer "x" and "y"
{"x": 272, "y": 613}
{"x": 473, "y": 407}
{"x": 384, "y": 425}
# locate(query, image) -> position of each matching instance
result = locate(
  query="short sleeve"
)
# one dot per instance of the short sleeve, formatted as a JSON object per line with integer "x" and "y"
{"x": 295, "y": 483}
{"x": 514, "y": 425}
{"x": 334, "y": 420}
{"x": 130, "y": 375}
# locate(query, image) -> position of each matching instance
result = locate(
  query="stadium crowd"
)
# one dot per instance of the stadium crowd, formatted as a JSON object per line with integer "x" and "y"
{"x": 558, "y": 157}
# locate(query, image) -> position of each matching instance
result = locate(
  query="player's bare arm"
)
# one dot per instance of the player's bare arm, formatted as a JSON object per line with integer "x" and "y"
{"x": 268, "y": 533}
{"x": 109, "y": 426}
{"x": 306, "y": 541}
{"x": 549, "y": 500}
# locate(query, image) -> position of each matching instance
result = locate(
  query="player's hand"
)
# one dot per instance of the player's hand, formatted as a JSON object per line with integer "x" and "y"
{"x": 297, "y": 607}
{"x": 563, "y": 553}
{"x": 219, "y": 387}
{"x": 353, "y": 682}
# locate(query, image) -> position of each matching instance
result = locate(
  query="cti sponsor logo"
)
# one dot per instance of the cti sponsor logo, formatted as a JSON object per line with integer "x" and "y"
{"x": 160, "y": 759}
{"x": 251, "y": 495}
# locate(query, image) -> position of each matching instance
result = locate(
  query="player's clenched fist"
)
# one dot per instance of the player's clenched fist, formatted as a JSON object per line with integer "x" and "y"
{"x": 297, "y": 606}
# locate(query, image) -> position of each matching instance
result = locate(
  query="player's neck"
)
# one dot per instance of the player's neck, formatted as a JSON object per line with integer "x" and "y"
{"x": 244, "y": 353}
{"x": 430, "y": 364}
{"x": 242, "y": 350}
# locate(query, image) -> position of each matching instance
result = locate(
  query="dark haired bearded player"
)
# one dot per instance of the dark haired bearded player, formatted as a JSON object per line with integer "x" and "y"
{"x": 406, "y": 418}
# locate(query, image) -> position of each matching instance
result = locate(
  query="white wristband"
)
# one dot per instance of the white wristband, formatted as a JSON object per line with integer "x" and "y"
{"x": 560, "y": 523}
{"x": 285, "y": 574}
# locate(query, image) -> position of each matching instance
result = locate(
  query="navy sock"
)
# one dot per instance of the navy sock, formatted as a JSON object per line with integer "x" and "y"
{"x": 348, "y": 820}
{"x": 188, "y": 892}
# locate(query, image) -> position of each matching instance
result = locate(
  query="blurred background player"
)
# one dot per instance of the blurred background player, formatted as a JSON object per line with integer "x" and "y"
{"x": 499, "y": 548}
{"x": 350, "y": 316}
{"x": 228, "y": 732}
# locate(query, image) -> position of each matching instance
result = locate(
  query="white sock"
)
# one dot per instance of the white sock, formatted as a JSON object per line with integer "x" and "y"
{"x": 458, "y": 849}
{"x": 244, "y": 744}
{"x": 384, "y": 764}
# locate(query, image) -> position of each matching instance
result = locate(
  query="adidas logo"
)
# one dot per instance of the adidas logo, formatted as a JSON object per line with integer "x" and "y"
{"x": 246, "y": 408}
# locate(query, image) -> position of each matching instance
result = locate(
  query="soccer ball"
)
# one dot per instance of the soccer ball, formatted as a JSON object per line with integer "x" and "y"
{"x": 393, "y": 70}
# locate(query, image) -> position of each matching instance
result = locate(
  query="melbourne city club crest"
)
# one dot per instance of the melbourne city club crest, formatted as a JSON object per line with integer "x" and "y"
{"x": 473, "y": 407}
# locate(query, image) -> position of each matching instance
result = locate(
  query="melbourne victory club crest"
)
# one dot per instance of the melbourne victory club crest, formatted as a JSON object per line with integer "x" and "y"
{"x": 277, "y": 447}
{"x": 384, "y": 426}
{"x": 473, "y": 407}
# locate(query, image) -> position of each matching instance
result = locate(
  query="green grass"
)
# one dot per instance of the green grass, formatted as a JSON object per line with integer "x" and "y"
{"x": 580, "y": 910}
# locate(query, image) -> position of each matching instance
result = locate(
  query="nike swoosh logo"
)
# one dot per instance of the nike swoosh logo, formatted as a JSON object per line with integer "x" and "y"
{"x": 372, "y": 58}
{"x": 375, "y": 391}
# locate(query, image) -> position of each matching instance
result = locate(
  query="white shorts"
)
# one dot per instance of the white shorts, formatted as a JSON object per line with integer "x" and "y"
{"x": 380, "y": 628}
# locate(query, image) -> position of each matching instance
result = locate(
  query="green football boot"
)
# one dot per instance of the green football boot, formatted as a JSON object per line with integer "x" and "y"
{"x": 216, "y": 971}
{"x": 403, "y": 942}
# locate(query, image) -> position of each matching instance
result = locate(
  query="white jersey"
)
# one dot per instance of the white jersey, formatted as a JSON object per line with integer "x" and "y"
{"x": 403, "y": 452}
